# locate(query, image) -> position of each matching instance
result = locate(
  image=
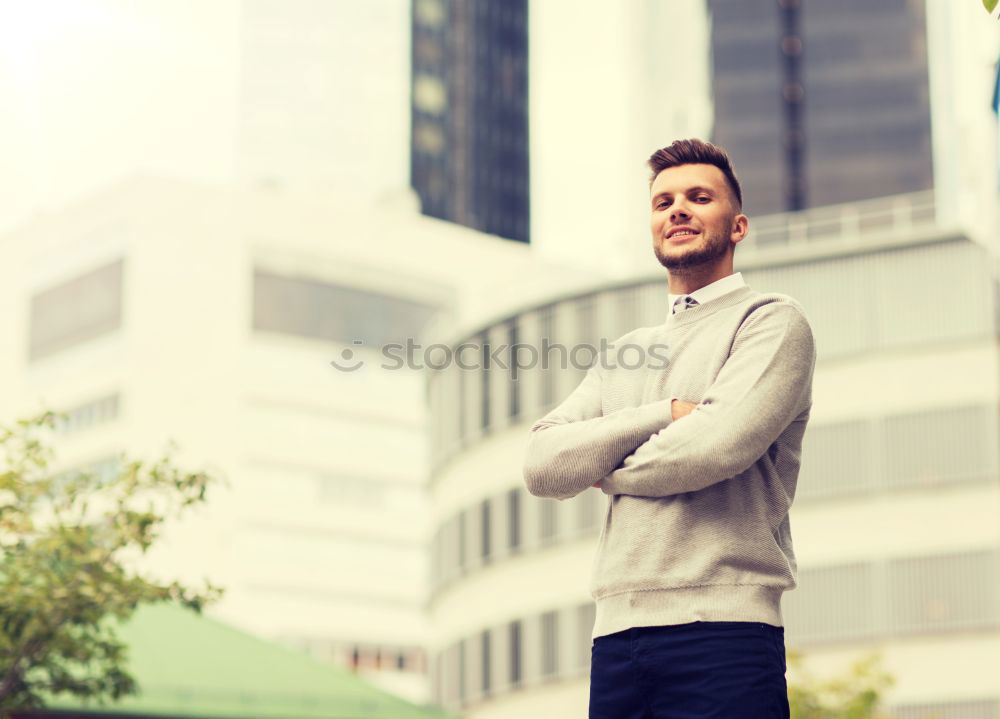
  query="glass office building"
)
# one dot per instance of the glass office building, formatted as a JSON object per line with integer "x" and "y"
{"x": 822, "y": 103}
{"x": 469, "y": 149}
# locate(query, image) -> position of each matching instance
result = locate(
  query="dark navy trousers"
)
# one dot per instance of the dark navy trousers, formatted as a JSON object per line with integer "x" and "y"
{"x": 701, "y": 670}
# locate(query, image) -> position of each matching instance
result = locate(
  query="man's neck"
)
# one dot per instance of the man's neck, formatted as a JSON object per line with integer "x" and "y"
{"x": 687, "y": 280}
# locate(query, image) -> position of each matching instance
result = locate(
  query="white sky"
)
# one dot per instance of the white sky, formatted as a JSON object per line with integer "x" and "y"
{"x": 94, "y": 90}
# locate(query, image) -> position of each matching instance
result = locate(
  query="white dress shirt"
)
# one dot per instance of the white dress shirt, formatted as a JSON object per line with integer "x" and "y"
{"x": 709, "y": 292}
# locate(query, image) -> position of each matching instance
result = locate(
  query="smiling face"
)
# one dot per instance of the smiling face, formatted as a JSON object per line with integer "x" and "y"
{"x": 695, "y": 222}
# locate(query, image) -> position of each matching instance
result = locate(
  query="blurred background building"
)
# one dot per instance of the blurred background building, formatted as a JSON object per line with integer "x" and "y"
{"x": 790, "y": 80}
{"x": 191, "y": 243}
{"x": 161, "y": 311}
{"x": 469, "y": 143}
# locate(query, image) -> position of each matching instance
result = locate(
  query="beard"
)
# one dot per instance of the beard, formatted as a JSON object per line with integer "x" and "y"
{"x": 712, "y": 248}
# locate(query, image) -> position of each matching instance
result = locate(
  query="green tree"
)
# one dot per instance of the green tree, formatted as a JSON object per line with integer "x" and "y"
{"x": 856, "y": 695}
{"x": 69, "y": 546}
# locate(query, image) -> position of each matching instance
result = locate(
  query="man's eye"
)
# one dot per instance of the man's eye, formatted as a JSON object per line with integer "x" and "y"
{"x": 703, "y": 198}
{"x": 662, "y": 203}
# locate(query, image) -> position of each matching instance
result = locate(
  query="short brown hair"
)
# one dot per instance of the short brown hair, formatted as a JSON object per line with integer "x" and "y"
{"x": 696, "y": 152}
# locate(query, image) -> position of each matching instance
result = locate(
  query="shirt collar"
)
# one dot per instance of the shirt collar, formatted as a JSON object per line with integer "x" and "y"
{"x": 711, "y": 291}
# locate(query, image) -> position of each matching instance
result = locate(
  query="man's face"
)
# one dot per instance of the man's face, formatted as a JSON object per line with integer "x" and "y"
{"x": 694, "y": 220}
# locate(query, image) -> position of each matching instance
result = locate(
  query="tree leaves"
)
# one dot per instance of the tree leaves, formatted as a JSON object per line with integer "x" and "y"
{"x": 854, "y": 696}
{"x": 67, "y": 570}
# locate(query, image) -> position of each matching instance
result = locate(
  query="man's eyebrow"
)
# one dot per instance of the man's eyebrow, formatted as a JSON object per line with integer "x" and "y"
{"x": 690, "y": 191}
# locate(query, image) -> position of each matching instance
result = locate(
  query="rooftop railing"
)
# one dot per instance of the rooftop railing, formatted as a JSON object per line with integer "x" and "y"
{"x": 891, "y": 217}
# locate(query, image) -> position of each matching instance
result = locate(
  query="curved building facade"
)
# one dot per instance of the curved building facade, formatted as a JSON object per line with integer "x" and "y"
{"x": 896, "y": 523}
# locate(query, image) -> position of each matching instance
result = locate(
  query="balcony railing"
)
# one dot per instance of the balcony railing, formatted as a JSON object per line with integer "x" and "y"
{"x": 891, "y": 217}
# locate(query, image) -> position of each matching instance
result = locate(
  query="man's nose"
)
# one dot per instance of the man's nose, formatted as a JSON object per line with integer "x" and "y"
{"x": 679, "y": 212}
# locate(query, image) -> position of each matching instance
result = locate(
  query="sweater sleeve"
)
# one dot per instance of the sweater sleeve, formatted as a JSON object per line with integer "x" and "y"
{"x": 762, "y": 387}
{"x": 575, "y": 445}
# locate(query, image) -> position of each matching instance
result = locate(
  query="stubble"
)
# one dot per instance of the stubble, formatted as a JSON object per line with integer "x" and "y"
{"x": 712, "y": 248}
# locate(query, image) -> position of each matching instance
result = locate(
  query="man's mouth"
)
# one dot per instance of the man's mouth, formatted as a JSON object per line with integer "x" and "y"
{"x": 681, "y": 232}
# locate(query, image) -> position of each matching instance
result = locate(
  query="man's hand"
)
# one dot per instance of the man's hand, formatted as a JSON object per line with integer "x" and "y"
{"x": 678, "y": 408}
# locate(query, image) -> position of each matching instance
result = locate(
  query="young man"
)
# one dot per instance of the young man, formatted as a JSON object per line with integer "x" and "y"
{"x": 699, "y": 457}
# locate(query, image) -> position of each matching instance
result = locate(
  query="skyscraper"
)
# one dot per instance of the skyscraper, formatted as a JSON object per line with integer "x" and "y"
{"x": 822, "y": 103}
{"x": 469, "y": 149}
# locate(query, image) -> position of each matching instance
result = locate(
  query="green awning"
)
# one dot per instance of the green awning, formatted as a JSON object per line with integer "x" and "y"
{"x": 190, "y": 666}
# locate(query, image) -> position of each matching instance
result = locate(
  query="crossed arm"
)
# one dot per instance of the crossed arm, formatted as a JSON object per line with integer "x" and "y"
{"x": 575, "y": 445}
{"x": 678, "y": 408}
{"x": 645, "y": 451}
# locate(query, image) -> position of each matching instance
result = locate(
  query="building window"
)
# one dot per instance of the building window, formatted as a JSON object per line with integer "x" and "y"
{"x": 81, "y": 309}
{"x": 514, "y": 408}
{"x": 484, "y": 374}
{"x": 547, "y": 524}
{"x": 431, "y": 96}
{"x": 548, "y": 373}
{"x": 899, "y": 597}
{"x": 427, "y": 53}
{"x": 463, "y": 430}
{"x": 550, "y": 644}
{"x": 514, "y": 629}
{"x": 514, "y": 519}
{"x": 89, "y": 414}
{"x": 585, "y": 319}
{"x": 429, "y": 138}
{"x": 322, "y": 310}
{"x": 461, "y": 670}
{"x": 486, "y": 529}
{"x": 461, "y": 541}
{"x": 957, "y": 591}
{"x": 485, "y": 644}
{"x": 429, "y": 12}
{"x": 918, "y": 449}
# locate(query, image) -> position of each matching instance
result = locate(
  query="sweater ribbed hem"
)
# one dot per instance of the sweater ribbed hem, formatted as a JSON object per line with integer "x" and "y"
{"x": 681, "y": 605}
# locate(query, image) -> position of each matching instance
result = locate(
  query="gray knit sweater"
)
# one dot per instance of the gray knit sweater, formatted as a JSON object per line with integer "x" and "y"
{"x": 697, "y": 525}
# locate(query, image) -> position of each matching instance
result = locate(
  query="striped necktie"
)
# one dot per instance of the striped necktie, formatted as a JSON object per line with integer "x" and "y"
{"x": 684, "y": 302}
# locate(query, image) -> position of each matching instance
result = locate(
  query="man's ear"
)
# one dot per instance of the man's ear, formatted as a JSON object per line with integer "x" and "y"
{"x": 741, "y": 226}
